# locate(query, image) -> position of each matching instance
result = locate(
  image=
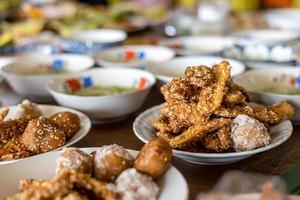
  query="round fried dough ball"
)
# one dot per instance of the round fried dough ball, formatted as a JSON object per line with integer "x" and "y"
{"x": 248, "y": 133}
{"x": 110, "y": 161}
{"x": 136, "y": 186}
{"x": 154, "y": 158}
{"x": 42, "y": 135}
{"x": 76, "y": 159}
{"x": 69, "y": 122}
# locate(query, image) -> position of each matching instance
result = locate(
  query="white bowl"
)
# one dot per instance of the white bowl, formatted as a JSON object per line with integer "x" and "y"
{"x": 254, "y": 80}
{"x": 105, "y": 108}
{"x": 172, "y": 184}
{"x": 287, "y": 19}
{"x": 144, "y": 130}
{"x": 269, "y": 36}
{"x": 34, "y": 86}
{"x": 135, "y": 56}
{"x": 199, "y": 45}
{"x": 92, "y": 41}
{"x": 49, "y": 110}
{"x": 175, "y": 68}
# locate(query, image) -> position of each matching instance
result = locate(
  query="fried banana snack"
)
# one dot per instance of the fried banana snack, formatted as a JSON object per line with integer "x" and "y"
{"x": 68, "y": 182}
{"x": 200, "y": 107}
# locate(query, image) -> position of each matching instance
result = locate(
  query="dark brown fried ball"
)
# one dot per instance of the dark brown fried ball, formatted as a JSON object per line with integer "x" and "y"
{"x": 154, "y": 158}
{"x": 69, "y": 122}
{"x": 76, "y": 159}
{"x": 110, "y": 161}
{"x": 42, "y": 135}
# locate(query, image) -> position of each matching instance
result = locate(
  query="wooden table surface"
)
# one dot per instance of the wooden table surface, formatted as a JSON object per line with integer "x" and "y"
{"x": 200, "y": 178}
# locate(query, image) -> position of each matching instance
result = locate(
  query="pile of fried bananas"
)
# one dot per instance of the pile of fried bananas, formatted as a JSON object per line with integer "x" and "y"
{"x": 201, "y": 106}
{"x": 28, "y": 132}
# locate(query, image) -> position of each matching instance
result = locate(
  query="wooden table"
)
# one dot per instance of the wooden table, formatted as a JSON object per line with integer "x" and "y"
{"x": 200, "y": 178}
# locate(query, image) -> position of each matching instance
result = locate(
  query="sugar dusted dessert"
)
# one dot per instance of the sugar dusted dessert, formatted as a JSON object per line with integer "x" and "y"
{"x": 248, "y": 133}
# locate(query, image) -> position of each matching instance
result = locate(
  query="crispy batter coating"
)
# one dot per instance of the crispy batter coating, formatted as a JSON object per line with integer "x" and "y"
{"x": 10, "y": 129}
{"x": 27, "y": 110}
{"x": 197, "y": 132}
{"x": 201, "y": 105}
{"x": 42, "y": 135}
{"x": 68, "y": 182}
{"x": 199, "y": 76}
{"x": 69, "y": 122}
{"x": 14, "y": 149}
{"x": 3, "y": 113}
{"x": 267, "y": 114}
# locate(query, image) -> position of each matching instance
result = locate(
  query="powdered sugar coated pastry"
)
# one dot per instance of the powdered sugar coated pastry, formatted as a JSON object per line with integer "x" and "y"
{"x": 110, "y": 161}
{"x": 74, "y": 158}
{"x": 132, "y": 185}
{"x": 248, "y": 133}
{"x": 28, "y": 110}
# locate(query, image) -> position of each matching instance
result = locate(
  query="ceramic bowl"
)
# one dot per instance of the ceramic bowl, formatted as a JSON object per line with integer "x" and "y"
{"x": 287, "y": 18}
{"x": 199, "y": 45}
{"x": 34, "y": 86}
{"x": 175, "y": 68}
{"x": 256, "y": 82}
{"x": 135, "y": 56}
{"x": 92, "y": 41}
{"x": 269, "y": 36}
{"x": 110, "y": 107}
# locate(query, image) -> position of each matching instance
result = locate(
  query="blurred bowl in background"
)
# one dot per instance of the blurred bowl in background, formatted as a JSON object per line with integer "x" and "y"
{"x": 269, "y": 86}
{"x": 268, "y": 36}
{"x": 287, "y": 18}
{"x": 92, "y": 41}
{"x": 133, "y": 56}
{"x": 25, "y": 78}
{"x": 107, "y": 108}
{"x": 199, "y": 45}
{"x": 175, "y": 68}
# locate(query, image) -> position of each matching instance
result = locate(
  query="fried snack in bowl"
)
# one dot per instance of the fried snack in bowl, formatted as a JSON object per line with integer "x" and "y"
{"x": 154, "y": 158}
{"x": 27, "y": 110}
{"x": 42, "y": 135}
{"x": 201, "y": 107}
{"x": 75, "y": 159}
{"x": 110, "y": 161}
{"x": 69, "y": 122}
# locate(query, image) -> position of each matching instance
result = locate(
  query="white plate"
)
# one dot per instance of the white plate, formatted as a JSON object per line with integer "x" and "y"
{"x": 175, "y": 68}
{"x": 143, "y": 129}
{"x": 49, "y": 110}
{"x": 269, "y": 36}
{"x": 199, "y": 45}
{"x": 172, "y": 184}
{"x": 114, "y": 57}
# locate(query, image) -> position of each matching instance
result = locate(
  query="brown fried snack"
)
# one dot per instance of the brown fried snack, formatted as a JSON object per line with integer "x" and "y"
{"x": 10, "y": 129}
{"x": 69, "y": 122}
{"x": 42, "y": 135}
{"x": 28, "y": 184}
{"x": 3, "y": 113}
{"x": 14, "y": 149}
{"x": 154, "y": 158}
{"x": 27, "y": 110}
{"x": 66, "y": 183}
{"x": 200, "y": 107}
{"x": 267, "y": 114}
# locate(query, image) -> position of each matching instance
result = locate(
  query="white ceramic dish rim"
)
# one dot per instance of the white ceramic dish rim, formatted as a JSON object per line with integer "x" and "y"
{"x": 87, "y": 126}
{"x": 50, "y": 88}
{"x": 265, "y": 70}
{"x": 169, "y": 78}
{"x": 100, "y": 57}
{"x": 185, "y": 190}
{"x": 185, "y": 38}
{"x": 19, "y": 62}
{"x": 76, "y": 36}
{"x": 211, "y": 155}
